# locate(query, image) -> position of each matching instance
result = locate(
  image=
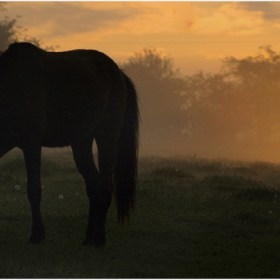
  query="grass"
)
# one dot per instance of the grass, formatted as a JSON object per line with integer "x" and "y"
{"x": 195, "y": 218}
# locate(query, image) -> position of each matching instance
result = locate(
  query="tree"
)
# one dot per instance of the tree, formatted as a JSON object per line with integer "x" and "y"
{"x": 160, "y": 89}
{"x": 237, "y": 107}
{"x": 215, "y": 115}
{"x": 258, "y": 79}
{"x": 11, "y": 32}
{"x": 7, "y": 33}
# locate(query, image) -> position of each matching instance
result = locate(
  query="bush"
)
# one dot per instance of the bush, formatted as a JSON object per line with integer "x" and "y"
{"x": 171, "y": 171}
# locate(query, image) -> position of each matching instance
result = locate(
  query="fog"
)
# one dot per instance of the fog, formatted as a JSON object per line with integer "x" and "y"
{"x": 213, "y": 106}
{"x": 232, "y": 113}
{"x": 229, "y": 114}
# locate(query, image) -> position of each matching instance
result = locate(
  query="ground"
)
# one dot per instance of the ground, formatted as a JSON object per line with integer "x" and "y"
{"x": 195, "y": 218}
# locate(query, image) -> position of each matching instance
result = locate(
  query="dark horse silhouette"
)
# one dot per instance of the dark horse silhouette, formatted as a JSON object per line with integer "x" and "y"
{"x": 56, "y": 99}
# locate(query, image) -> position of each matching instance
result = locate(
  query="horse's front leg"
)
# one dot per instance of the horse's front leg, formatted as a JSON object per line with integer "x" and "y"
{"x": 82, "y": 152}
{"x": 32, "y": 156}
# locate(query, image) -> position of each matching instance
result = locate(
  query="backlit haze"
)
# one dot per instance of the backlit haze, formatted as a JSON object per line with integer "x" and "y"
{"x": 196, "y": 34}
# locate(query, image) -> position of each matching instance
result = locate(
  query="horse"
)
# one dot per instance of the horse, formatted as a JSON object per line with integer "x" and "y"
{"x": 71, "y": 98}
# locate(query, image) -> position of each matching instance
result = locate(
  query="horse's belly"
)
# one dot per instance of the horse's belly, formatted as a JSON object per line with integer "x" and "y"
{"x": 55, "y": 138}
{"x": 65, "y": 135}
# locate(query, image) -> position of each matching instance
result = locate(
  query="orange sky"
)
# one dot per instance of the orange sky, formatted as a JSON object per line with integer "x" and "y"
{"x": 196, "y": 34}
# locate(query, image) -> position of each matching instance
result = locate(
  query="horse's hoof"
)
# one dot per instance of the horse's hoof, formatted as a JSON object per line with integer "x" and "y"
{"x": 99, "y": 244}
{"x": 35, "y": 241}
{"x": 94, "y": 243}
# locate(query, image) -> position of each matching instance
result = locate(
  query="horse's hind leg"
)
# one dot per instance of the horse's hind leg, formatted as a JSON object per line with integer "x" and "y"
{"x": 106, "y": 141}
{"x": 32, "y": 156}
{"x": 82, "y": 152}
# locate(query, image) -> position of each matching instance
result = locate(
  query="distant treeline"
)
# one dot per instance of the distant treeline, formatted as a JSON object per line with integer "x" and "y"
{"x": 232, "y": 113}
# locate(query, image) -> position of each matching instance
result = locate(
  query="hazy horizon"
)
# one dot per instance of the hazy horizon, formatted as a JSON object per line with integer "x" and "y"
{"x": 196, "y": 34}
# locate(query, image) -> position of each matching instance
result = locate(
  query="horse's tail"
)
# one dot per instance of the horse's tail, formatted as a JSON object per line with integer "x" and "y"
{"x": 125, "y": 177}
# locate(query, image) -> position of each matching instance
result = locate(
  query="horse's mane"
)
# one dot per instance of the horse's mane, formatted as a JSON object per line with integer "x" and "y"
{"x": 21, "y": 46}
{"x": 25, "y": 46}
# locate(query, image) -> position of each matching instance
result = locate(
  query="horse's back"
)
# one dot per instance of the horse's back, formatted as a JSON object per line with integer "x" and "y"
{"x": 70, "y": 90}
{"x": 80, "y": 87}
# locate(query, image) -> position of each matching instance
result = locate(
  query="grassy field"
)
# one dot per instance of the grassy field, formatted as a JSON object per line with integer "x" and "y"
{"x": 194, "y": 218}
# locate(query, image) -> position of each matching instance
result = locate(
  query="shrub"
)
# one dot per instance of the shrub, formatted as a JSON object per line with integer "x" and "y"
{"x": 171, "y": 171}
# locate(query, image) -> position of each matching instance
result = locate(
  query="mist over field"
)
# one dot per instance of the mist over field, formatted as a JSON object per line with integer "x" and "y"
{"x": 207, "y": 82}
{"x": 208, "y": 174}
{"x": 232, "y": 113}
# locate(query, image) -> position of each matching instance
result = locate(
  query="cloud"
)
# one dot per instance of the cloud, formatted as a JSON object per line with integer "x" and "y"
{"x": 160, "y": 18}
{"x": 62, "y": 18}
{"x": 228, "y": 19}
{"x": 269, "y": 10}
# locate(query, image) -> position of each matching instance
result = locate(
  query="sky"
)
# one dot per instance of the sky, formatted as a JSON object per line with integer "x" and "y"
{"x": 197, "y": 35}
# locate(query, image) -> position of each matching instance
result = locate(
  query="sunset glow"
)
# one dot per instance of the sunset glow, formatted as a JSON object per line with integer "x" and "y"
{"x": 196, "y": 34}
